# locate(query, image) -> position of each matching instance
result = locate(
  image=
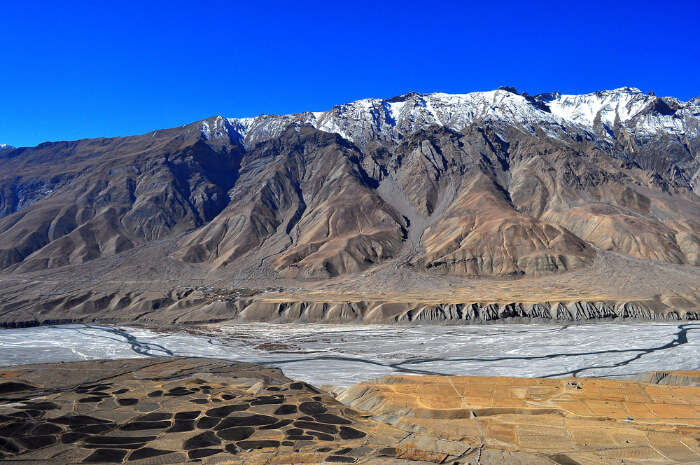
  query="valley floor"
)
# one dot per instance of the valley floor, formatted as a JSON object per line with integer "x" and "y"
{"x": 342, "y": 355}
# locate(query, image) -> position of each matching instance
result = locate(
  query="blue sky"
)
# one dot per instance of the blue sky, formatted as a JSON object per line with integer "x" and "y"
{"x": 88, "y": 69}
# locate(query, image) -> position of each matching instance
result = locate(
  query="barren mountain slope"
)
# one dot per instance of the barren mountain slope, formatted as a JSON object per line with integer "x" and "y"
{"x": 490, "y": 185}
{"x": 70, "y": 202}
{"x": 304, "y": 199}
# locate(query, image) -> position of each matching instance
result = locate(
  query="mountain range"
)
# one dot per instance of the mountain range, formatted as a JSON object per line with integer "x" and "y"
{"x": 485, "y": 185}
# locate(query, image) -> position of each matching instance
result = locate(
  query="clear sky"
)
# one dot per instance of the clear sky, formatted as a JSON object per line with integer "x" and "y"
{"x": 75, "y": 69}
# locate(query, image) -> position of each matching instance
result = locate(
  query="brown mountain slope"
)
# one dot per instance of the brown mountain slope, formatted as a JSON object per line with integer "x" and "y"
{"x": 496, "y": 203}
{"x": 303, "y": 199}
{"x": 489, "y": 200}
{"x": 70, "y": 202}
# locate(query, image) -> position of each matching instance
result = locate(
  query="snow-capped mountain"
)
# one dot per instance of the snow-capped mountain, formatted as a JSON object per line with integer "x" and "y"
{"x": 644, "y": 114}
{"x": 5, "y": 146}
{"x": 425, "y": 165}
{"x": 594, "y": 116}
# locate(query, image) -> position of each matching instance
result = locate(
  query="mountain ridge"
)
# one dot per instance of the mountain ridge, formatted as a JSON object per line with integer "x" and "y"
{"x": 554, "y": 103}
{"x": 618, "y": 120}
{"x": 485, "y": 185}
{"x": 543, "y": 98}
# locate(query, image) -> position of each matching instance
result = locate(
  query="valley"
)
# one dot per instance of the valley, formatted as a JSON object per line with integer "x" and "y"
{"x": 342, "y": 355}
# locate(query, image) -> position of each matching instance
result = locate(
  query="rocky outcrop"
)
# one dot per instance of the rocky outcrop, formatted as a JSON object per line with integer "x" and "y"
{"x": 405, "y": 312}
{"x": 200, "y": 305}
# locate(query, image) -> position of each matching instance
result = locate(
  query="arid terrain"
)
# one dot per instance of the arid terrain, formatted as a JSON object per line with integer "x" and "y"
{"x": 379, "y": 233}
{"x": 175, "y": 410}
{"x": 343, "y": 355}
{"x": 423, "y": 207}
{"x": 489, "y": 207}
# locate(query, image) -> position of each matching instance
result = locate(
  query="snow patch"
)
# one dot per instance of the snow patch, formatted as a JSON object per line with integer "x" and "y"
{"x": 593, "y": 115}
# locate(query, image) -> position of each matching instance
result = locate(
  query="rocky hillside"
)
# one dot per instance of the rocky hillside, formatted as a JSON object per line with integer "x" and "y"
{"x": 482, "y": 184}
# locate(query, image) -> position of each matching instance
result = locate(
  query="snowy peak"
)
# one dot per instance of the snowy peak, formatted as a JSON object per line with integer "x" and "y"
{"x": 606, "y": 107}
{"x": 643, "y": 115}
{"x": 392, "y": 119}
{"x": 597, "y": 114}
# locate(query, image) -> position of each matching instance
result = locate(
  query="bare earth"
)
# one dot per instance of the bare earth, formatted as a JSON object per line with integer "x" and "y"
{"x": 111, "y": 290}
{"x": 175, "y": 410}
{"x": 471, "y": 208}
